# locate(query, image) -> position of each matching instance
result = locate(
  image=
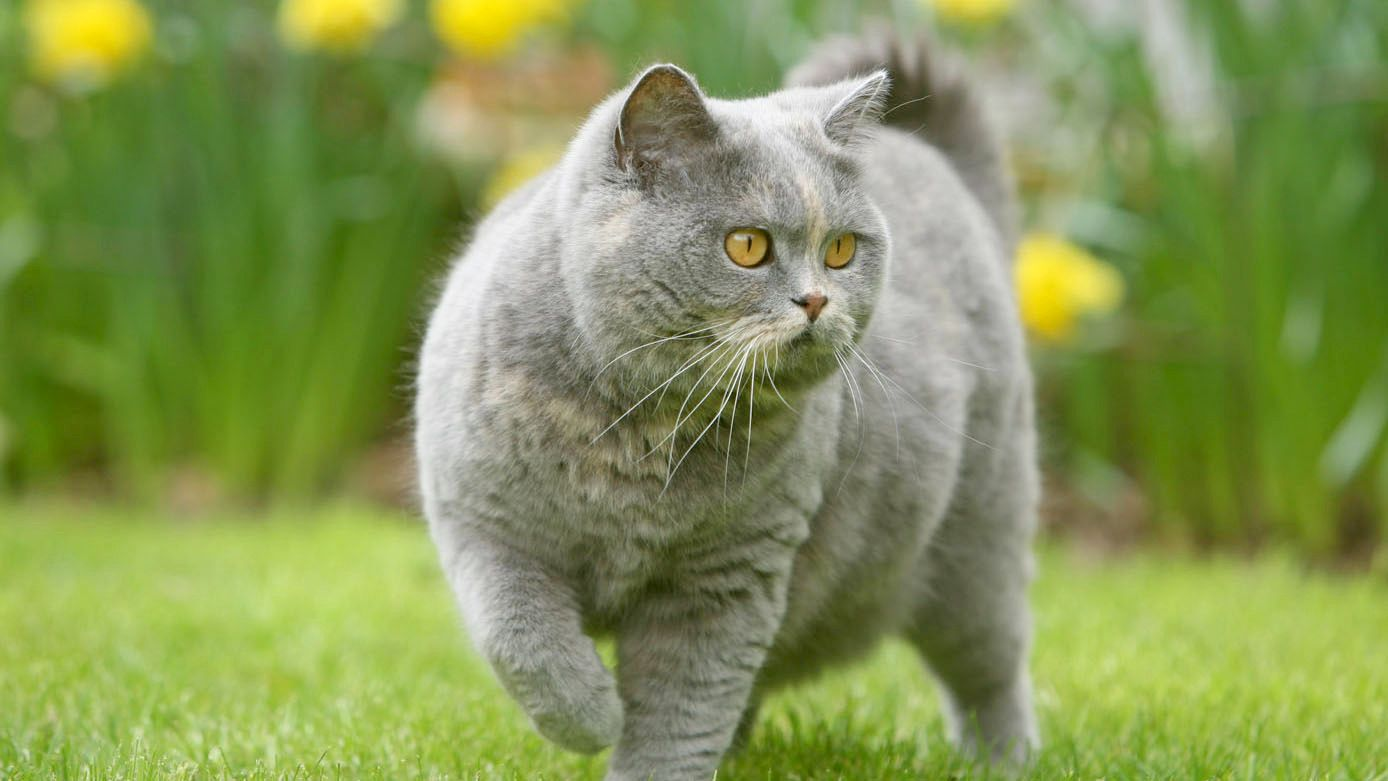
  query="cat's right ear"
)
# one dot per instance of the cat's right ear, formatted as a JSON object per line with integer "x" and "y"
{"x": 664, "y": 122}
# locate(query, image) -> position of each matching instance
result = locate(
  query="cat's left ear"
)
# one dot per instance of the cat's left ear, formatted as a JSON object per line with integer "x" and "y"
{"x": 663, "y": 122}
{"x": 859, "y": 110}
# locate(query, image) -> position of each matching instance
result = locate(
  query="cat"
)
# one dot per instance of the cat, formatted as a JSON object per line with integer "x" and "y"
{"x": 742, "y": 384}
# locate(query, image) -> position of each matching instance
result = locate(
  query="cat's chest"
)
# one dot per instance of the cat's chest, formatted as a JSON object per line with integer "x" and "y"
{"x": 620, "y": 516}
{"x": 616, "y": 502}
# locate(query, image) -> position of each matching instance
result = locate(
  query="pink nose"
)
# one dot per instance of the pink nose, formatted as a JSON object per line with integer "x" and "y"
{"x": 812, "y": 303}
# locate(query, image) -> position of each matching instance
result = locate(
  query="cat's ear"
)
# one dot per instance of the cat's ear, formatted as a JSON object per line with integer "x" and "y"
{"x": 859, "y": 110}
{"x": 664, "y": 121}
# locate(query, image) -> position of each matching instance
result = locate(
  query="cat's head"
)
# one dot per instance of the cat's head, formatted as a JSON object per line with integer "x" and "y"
{"x": 738, "y": 228}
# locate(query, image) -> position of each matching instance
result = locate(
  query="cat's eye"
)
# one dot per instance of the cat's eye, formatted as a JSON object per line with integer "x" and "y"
{"x": 747, "y": 247}
{"x": 841, "y": 251}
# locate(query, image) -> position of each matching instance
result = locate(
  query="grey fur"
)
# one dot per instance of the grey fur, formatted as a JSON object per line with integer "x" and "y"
{"x": 807, "y": 505}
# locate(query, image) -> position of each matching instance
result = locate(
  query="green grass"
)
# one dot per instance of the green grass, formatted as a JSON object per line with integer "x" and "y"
{"x": 135, "y": 648}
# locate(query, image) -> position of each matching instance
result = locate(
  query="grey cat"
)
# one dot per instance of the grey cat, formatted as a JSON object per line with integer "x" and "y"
{"x": 741, "y": 383}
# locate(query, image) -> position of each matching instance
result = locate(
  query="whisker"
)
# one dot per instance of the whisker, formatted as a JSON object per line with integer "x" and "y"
{"x": 716, "y": 417}
{"x": 710, "y": 325}
{"x": 772, "y": 379}
{"x": 962, "y": 362}
{"x": 732, "y": 424}
{"x": 652, "y": 343}
{"x": 852, "y": 387}
{"x": 688, "y": 364}
{"x": 891, "y": 404}
{"x": 894, "y": 339}
{"x": 751, "y": 404}
{"x": 843, "y": 367}
{"x": 680, "y": 417}
{"x": 932, "y": 414}
{"x": 727, "y": 338}
{"x": 952, "y": 359}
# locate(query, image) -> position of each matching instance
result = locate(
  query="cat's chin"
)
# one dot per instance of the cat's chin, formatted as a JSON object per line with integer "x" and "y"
{"x": 805, "y": 360}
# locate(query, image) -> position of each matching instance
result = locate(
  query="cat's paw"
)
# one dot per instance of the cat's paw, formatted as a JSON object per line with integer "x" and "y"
{"x": 1000, "y": 729}
{"x": 1013, "y": 751}
{"x": 585, "y": 716}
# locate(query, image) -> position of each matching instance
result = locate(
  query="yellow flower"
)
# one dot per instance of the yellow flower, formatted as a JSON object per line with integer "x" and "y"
{"x": 85, "y": 42}
{"x": 972, "y": 12}
{"x": 490, "y": 29}
{"x": 341, "y": 26}
{"x": 518, "y": 169}
{"x": 1058, "y": 283}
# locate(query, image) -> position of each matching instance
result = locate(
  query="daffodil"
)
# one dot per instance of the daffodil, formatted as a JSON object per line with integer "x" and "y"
{"x": 341, "y": 26}
{"x": 491, "y": 29}
{"x": 972, "y": 12}
{"x": 1058, "y": 283}
{"x": 85, "y": 42}
{"x": 518, "y": 169}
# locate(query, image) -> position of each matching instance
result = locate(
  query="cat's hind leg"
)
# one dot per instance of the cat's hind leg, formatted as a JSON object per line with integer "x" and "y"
{"x": 746, "y": 725}
{"x": 972, "y": 623}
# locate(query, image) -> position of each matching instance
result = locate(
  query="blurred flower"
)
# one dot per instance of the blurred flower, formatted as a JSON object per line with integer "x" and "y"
{"x": 85, "y": 42}
{"x": 477, "y": 112}
{"x": 1058, "y": 283}
{"x": 335, "y": 25}
{"x": 518, "y": 169}
{"x": 490, "y": 29}
{"x": 974, "y": 12}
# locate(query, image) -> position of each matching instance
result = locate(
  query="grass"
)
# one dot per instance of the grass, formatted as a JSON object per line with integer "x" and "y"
{"x": 138, "y": 648}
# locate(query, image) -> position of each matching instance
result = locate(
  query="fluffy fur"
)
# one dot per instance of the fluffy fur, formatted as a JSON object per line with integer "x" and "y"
{"x": 620, "y": 431}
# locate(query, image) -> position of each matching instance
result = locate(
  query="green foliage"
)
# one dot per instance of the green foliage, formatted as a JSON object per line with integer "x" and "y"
{"x": 217, "y": 261}
{"x": 330, "y": 648}
{"x": 1248, "y": 394}
{"x": 231, "y": 246}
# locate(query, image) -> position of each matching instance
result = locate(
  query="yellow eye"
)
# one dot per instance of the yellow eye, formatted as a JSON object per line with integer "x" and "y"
{"x": 747, "y": 246}
{"x": 841, "y": 251}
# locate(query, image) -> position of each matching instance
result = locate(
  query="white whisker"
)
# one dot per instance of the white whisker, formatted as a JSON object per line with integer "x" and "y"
{"x": 716, "y": 417}
{"x": 891, "y": 404}
{"x": 729, "y": 338}
{"x": 932, "y": 414}
{"x": 852, "y": 388}
{"x": 688, "y": 364}
{"x": 751, "y": 404}
{"x": 848, "y": 380}
{"x": 732, "y": 424}
{"x": 652, "y": 343}
{"x": 959, "y": 361}
{"x": 680, "y": 418}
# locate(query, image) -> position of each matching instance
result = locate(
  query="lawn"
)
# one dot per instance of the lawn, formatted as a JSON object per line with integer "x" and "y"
{"x": 328, "y": 647}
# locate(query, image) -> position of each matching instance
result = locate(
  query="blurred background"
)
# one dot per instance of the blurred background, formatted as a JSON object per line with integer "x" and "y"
{"x": 220, "y": 221}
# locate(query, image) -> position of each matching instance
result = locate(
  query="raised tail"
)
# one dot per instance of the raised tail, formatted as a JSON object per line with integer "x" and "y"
{"x": 931, "y": 96}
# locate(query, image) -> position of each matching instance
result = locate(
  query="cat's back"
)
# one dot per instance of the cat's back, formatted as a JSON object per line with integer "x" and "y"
{"x": 948, "y": 282}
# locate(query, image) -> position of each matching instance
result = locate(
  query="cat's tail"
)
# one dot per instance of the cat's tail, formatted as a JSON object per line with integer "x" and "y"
{"x": 931, "y": 96}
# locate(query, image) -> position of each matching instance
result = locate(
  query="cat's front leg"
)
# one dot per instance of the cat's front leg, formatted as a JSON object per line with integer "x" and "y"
{"x": 689, "y": 654}
{"x": 525, "y": 620}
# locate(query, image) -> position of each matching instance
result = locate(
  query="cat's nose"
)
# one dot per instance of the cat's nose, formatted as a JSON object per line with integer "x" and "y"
{"x": 812, "y": 302}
